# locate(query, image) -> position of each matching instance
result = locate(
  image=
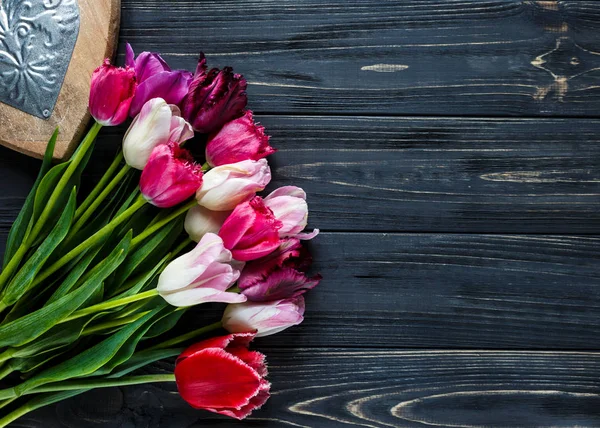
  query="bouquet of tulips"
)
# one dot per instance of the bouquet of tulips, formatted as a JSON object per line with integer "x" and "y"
{"x": 93, "y": 287}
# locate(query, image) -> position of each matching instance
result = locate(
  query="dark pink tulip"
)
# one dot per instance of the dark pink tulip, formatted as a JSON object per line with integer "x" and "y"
{"x": 215, "y": 97}
{"x": 170, "y": 176}
{"x": 239, "y": 140}
{"x": 278, "y": 275}
{"x": 156, "y": 80}
{"x": 112, "y": 90}
{"x": 251, "y": 231}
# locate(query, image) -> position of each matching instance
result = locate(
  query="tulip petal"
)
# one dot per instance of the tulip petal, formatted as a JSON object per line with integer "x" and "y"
{"x": 216, "y": 380}
{"x": 186, "y": 298}
{"x": 234, "y": 340}
{"x": 254, "y": 359}
{"x": 172, "y": 86}
{"x": 294, "y": 191}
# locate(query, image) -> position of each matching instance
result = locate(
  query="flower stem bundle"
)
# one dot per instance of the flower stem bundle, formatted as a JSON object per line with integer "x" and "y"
{"x": 97, "y": 286}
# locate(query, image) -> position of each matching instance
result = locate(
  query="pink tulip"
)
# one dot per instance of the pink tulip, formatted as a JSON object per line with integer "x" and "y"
{"x": 112, "y": 90}
{"x": 265, "y": 318}
{"x": 156, "y": 80}
{"x": 158, "y": 123}
{"x": 170, "y": 176}
{"x": 278, "y": 275}
{"x": 289, "y": 206}
{"x": 238, "y": 140}
{"x": 200, "y": 221}
{"x": 202, "y": 275}
{"x": 251, "y": 231}
{"x": 215, "y": 97}
{"x": 226, "y": 186}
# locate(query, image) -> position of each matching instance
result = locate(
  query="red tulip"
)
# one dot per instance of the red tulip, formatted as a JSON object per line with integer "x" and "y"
{"x": 215, "y": 97}
{"x": 238, "y": 140}
{"x": 279, "y": 275}
{"x": 251, "y": 231}
{"x": 170, "y": 176}
{"x": 222, "y": 376}
{"x": 112, "y": 90}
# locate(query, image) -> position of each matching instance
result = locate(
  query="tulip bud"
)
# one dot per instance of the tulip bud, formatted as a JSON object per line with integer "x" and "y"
{"x": 238, "y": 140}
{"x": 289, "y": 206}
{"x": 111, "y": 92}
{"x": 226, "y": 186}
{"x": 232, "y": 378}
{"x": 264, "y": 318}
{"x": 279, "y": 275}
{"x": 156, "y": 80}
{"x": 251, "y": 231}
{"x": 158, "y": 123}
{"x": 214, "y": 98}
{"x": 200, "y": 221}
{"x": 170, "y": 176}
{"x": 202, "y": 275}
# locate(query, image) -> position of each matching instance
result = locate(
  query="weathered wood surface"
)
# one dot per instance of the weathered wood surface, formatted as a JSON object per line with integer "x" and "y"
{"x": 446, "y": 239}
{"x": 374, "y": 388}
{"x": 421, "y": 174}
{"x": 459, "y": 57}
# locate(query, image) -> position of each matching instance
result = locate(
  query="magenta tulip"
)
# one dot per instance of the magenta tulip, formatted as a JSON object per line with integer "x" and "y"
{"x": 251, "y": 231}
{"x": 170, "y": 176}
{"x": 214, "y": 98}
{"x": 240, "y": 139}
{"x": 111, "y": 92}
{"x": 279, "y": 275}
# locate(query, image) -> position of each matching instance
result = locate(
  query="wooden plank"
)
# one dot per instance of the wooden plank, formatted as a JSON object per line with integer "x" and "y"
{"x": 372, "y": 388}
{"x": 443, "y": 175}
{"x": 414, "y": 174}
{"x": 457, "y": 57}
{"x": 452, "y": 291}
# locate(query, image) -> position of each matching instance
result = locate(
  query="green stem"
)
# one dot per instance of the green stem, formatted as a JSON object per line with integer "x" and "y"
{"x": 15, "y": 261}
{"x": 90, "y": 242}
{"x": 206, "y": 167}
{"x": 89, "y": 383}
{"x": 112, "y": 324}
{"x": 185, "y": 337}
{"x": 5, "y": 371}
{"x": 108, "y": 189}
{"x": 111, "y": 304}
{"x": 159, "y": 224}
{"x": 6, "y": 355}
{"x": 98, "y": 188}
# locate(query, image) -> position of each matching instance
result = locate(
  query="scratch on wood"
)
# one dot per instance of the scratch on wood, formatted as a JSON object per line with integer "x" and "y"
{"x": 384, "y": 68}
{"x": 548, "y": 4}
{"x": 538, "y": 177}
{"x": 562, "y": 28}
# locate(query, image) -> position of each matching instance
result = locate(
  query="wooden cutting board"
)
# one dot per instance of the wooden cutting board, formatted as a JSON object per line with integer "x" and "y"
{"x": 97, "y": 39}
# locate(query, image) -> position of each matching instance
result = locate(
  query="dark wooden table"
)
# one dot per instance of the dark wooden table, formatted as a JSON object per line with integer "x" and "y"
{"x": 451, "y": 152}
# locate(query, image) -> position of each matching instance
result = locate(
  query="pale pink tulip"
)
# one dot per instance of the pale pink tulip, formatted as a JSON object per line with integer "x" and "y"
{"x": 227, "y": 186}
{"x": 264, "y": 318}
{"x": 202, "y": 275}
{"x": 289, "y": 206}
{"x": 200, "y": 221}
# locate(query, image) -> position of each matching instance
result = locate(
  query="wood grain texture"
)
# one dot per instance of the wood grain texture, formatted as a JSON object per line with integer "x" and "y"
{"x": 373, "y": 388}
{"x": 417, "y": 174}
{"x": 438, "y": 57}
{"x": 99, "y": 26}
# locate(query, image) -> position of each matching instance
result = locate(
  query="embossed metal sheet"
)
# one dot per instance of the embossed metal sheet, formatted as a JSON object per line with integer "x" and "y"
{"x": 37, "y": 38}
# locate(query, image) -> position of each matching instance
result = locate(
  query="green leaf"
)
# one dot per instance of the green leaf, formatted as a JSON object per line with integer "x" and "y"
{"x": 27, "y": 328}
{"x": 147, "y": 255}
{"x": 87, "y": 362}
{"x": 46, "y": 187}
{"x": 166, "y": 324}
{"x": 19, "y": 229}
{"x": 78, "y": 270}
{"x": 23, "y": 279}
